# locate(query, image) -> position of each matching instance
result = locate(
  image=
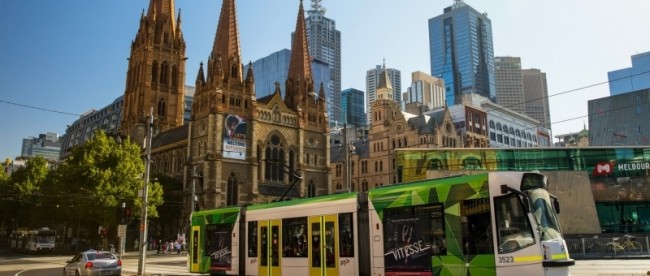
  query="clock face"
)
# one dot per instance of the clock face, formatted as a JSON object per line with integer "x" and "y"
{"x": 311, "y": 142}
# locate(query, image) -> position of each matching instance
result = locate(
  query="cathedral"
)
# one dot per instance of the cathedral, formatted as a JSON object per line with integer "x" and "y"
{"x": 236, "y": 148}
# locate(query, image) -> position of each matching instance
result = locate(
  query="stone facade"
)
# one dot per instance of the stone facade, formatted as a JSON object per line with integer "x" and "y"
{"x": 236, "y": 148}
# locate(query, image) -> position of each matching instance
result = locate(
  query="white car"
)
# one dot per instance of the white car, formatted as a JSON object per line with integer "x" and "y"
{"x": 95, "y": 263}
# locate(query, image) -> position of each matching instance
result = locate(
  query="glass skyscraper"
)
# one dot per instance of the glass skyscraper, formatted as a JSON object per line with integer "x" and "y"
{"x": 325, "y": 45}
{"x": 352, "y": 104}
{"x": 275, "y": 68}
{"x": 461, "y": 51}
{"x": 633, "y": 78}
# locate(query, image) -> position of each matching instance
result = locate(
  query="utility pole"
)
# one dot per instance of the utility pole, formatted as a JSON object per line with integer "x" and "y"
{"x": 145, "y": 202}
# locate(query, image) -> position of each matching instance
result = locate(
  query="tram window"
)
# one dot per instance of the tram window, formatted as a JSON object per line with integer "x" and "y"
{"x": 218, "y": 244}
{"x": 264, "y": 231}
{"x": 330, "y": 245}
{"x": 436, "y": 229}
{"x": 252, "y": 239}
{"x": 423, "y": 224}
{"x": 513, "y": 228}
{"x": 294, "y": 237}
{"x": 346, "y": 238}
{"x": 475, "y": 222}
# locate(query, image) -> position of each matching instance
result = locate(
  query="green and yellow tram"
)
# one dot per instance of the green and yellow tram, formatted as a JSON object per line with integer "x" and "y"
{"x": 493, "y": 223}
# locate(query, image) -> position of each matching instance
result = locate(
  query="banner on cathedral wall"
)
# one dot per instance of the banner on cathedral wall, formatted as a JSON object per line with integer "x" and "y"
{"x": 234, "y": 136}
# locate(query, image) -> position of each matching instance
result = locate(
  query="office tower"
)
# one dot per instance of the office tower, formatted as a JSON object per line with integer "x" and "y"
{"x": 632, "y": 78}
{"x": 274, "y": 68}
{"x": 325, "y": 45}
{"x": 46, "y": 145}
{"x": 155, "y": 79}
{"x": 620, "y": 120}
{"x": 352, "y": 104}
{"x": 460, "y": 45}
{"x": 510, "y": 83}
{"x": 372, "y": 82}
{"x": 426, "y": 93}
{"x": 536, "y": 96}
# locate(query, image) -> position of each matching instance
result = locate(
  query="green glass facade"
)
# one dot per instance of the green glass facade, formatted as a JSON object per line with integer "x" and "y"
{"x": 619, "y": 177}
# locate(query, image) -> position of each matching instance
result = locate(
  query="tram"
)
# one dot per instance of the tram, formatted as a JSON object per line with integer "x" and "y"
{"x": 496, "y": 223}
{"x": 40, "y": 240}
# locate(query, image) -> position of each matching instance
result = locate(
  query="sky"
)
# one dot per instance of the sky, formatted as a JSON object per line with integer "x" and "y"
{"x": 60, "y": 59}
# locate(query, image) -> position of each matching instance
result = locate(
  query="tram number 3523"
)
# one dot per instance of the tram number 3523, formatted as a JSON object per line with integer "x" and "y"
{"x": 506, "y": 259}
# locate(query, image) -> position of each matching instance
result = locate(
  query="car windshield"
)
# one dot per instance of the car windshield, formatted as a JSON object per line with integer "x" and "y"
{"x": 547, "y": 221}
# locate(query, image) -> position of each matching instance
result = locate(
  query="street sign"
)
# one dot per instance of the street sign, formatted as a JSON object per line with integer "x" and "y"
{"x": 121, "y": 230}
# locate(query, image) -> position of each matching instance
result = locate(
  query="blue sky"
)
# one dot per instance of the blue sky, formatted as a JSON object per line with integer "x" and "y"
{"x": 70, "y": 56}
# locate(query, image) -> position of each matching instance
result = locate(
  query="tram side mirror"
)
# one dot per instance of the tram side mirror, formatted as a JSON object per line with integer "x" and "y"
{"x": 504, "y": 189}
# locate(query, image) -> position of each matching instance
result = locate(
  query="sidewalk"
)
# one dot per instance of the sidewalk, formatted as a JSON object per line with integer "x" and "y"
{"x": 156, "y": 264}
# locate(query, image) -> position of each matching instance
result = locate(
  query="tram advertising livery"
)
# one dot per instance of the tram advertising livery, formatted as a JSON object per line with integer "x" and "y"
{"x": 497, "y": 223}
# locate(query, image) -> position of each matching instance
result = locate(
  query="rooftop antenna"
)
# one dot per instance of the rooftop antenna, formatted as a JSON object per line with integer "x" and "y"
{"x": 317, "y": 10}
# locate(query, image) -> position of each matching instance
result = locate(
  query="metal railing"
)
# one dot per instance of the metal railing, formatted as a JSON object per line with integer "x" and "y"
{"x": 610, "y": 247}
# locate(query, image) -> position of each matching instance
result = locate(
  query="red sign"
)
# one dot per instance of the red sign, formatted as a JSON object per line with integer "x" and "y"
{"x": 603, "y": 168}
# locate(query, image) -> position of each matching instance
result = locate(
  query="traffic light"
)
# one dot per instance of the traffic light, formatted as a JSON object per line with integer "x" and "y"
{"x": 123, "y": 215}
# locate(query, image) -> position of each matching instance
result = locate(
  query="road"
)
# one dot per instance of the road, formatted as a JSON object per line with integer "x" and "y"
{"x": 12, "y": 264}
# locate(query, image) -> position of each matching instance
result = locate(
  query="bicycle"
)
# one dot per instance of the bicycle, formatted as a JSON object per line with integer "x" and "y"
{"x": 628, "y": 245}
{"x": 595, "y": 246}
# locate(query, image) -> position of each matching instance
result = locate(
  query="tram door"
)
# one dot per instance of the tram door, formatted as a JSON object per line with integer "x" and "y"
{"x": 323, "y": 246}
{"x": 268, "y": 242}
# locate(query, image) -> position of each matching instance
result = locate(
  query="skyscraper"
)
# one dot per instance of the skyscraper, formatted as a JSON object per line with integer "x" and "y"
{"x": 632, "y": 78}
{"x": 509, "y": 83}
{"x": 46, "y": 145}
{"x": 536, "y": 96}
{"x": 352, "y": 104}
{"x": 425, "y": 92}
{"x": 325, "y": 45}
{"x": 372, "y": 82}
{"x": 460, "y": 46}
{"x": 275, "y": 68}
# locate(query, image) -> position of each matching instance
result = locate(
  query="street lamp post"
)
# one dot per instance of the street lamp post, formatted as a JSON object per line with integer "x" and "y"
{"x": 348, "y": 148}
{"x": 145, "y": 203}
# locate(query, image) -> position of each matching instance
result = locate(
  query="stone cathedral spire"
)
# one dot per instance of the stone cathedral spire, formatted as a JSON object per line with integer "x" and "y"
{"x": 156, "y": 73}
{"x": 299, "y": 81}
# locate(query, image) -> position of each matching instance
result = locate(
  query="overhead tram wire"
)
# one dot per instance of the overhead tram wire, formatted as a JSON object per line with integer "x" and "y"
{"x": 570, "y": 91}
{"x": 503, "y": 107}
{"x": 40, "y": 108}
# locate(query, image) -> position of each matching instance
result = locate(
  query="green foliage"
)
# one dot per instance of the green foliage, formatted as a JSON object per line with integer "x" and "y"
{"x": 25, "y": 183}
{"x": 102, "y": 173}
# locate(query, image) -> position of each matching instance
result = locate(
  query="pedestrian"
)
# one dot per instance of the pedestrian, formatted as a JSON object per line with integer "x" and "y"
{"x": 135, "y": 244}
{"x": 178, "y": 247}
{"x": 159, "y": 246}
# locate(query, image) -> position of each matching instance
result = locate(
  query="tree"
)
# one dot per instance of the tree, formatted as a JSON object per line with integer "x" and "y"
{"x": 101, "y": 174}
{"x": 24, "y": 190}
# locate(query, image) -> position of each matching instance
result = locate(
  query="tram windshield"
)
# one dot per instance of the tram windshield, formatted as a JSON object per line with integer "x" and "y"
{"x": 548, "y": 225}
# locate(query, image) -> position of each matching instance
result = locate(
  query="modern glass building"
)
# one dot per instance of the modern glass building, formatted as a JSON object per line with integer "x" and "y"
{"x": 46, "y": 145}
{"x": 633, "y": 78}
{"x": 619, "y": 177}
{"x": 461, "y": 52}
{"x": 275, "y": 68}
{"x": 352, "y": 104}
{"x": 372, "y": 81}
{"x": 325, "y": 45}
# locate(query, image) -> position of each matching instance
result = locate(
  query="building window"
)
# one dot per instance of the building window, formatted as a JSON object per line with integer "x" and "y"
{"x": 275, "y": 163}
{"x": 311, "y": 189}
